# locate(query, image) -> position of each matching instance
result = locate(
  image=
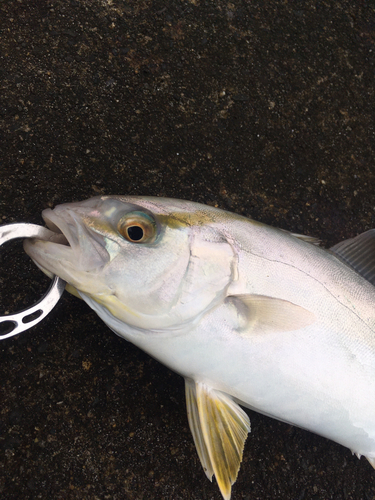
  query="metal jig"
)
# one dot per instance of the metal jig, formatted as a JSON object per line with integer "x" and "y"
{"x": 13, "y": 324}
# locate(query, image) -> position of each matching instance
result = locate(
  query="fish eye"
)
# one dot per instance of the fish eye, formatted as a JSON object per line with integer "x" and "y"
{"x": 137, "y": 227}
{"x": 135, "y": 233}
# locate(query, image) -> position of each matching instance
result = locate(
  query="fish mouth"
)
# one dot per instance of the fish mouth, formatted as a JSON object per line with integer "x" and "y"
{"x": 72, "y": 251}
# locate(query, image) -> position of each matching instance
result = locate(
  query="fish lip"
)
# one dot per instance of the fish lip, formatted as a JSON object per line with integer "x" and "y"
{"x": 72, "y": 249}
{"x": 60, "y": 227}
{"x": 73, "y": 228}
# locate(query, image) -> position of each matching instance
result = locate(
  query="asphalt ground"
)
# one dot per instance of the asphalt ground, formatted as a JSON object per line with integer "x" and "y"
{"x": 264, "y": 108}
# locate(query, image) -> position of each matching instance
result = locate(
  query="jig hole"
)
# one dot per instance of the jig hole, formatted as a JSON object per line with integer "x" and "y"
{"x": 31, "y": 317}
{"x": 7, "y": 326}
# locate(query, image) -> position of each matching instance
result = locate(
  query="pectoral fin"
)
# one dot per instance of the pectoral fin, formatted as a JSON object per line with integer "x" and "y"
{"x": 219, "y": 427}
{"x": 262, "y": 314}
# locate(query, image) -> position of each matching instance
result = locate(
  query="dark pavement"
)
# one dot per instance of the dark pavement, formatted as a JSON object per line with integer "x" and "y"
{"x": 265, "y": 108}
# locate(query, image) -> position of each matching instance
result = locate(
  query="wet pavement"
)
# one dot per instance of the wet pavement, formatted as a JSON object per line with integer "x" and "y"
{"x": 262, "y": 108}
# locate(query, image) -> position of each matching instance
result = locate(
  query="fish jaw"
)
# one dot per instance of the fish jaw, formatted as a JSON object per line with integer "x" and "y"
{"x": 75, "y": 253}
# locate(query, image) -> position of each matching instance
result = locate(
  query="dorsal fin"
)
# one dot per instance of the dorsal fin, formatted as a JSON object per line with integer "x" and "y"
{"x": 359, "y": 254}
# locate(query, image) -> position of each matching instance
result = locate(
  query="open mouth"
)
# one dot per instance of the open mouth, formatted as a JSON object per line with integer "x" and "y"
{"x": 56, "y": 236}
{"x": 49, "y": 251}
{"x": 72, "y": 248}
{"x": 63, "y": 231}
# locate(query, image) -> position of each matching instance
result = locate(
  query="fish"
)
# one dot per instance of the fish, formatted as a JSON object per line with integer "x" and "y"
{"x": 250, "y": 315}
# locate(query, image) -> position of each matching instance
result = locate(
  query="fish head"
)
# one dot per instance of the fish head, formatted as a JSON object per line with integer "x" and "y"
{"x": 141, "y": 263}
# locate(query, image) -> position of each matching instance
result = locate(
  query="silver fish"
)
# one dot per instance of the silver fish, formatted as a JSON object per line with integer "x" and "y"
{"x": 248, "y": 314}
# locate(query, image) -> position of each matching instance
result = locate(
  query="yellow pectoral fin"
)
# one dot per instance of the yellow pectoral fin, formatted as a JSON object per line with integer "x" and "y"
{"x": 219, "y": 427}
{"x": 262, "y": 314}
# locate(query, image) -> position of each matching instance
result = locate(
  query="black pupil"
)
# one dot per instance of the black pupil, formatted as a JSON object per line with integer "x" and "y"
{"x": 135, "y": 233}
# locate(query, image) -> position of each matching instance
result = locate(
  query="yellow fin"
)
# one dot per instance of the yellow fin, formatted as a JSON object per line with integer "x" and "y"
{"x": 196, "y": 429}
{"x": 219, "y": 427}
{"x": 262, "y": 314}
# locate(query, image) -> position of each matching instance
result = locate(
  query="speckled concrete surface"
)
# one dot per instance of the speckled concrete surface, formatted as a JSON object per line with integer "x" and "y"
{"x": 263, "y": 108}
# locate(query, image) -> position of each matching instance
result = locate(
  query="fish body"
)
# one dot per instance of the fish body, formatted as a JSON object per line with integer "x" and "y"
{"x": 248, "y": 314}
